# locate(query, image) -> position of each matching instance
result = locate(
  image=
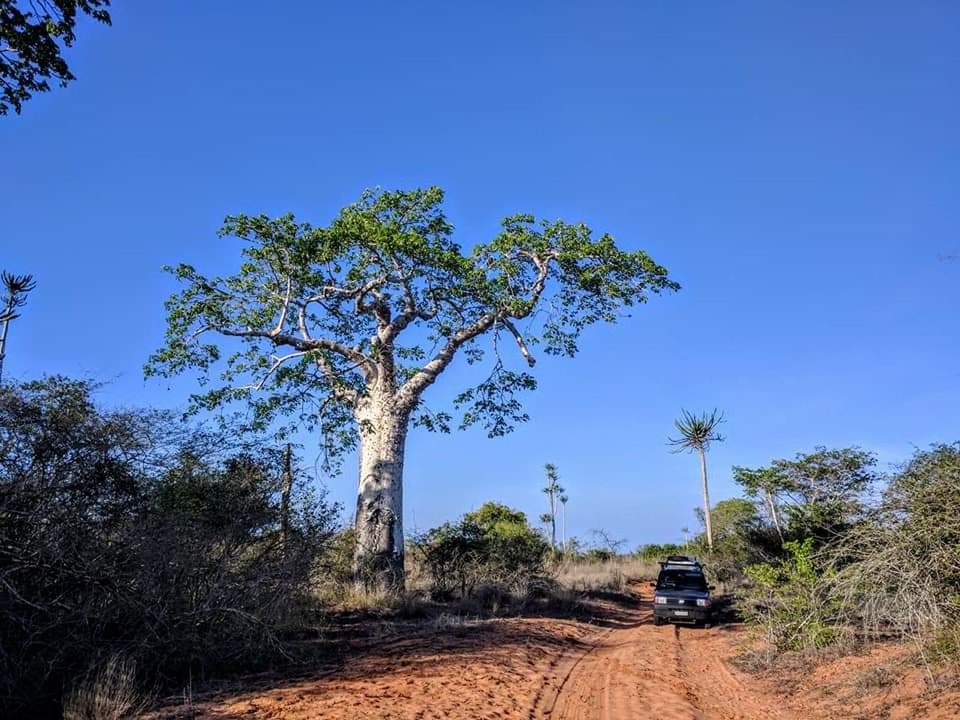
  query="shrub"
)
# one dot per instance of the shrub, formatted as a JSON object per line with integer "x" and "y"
{"x": 898, "y": 572}
{"x": 789, "y": 601}
{"x": 123, "y": 530}
{"x": 493, "y": 546}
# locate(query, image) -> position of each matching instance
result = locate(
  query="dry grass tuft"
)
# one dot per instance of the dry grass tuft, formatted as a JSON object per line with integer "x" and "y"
{"x": 111, "y": 693}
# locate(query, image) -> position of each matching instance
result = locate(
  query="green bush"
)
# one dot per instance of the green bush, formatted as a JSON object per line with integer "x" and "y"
{"x": 492, "y": 547}
{"x": 789, "y": 601}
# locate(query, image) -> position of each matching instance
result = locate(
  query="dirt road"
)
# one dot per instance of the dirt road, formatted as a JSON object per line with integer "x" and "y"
{"x": 636, "y": 670}
{"x": 614, "y": 666}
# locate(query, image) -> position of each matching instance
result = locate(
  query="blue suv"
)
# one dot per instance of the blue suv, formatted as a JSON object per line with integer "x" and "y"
{"x": 681, "y": 593}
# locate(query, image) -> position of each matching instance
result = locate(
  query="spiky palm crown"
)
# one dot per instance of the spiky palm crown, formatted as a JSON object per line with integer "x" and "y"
{"x": 696, "y": 431}
{"x": 17, "y": 285}
{"x": 17, "y": 288}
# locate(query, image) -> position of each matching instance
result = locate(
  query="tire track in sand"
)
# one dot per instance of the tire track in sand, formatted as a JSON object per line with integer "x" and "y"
{"x": 637, "y": 670}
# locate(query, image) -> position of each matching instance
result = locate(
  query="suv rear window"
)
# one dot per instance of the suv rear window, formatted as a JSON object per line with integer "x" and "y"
{"x": 676, "y": 579}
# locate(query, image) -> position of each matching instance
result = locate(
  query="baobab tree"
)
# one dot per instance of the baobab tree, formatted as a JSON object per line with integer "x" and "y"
{"x": 341, "y": 329}
{"x": 553, "y": 491}
{"x": 17, "y": 288}
{"x": 697, "y": 433}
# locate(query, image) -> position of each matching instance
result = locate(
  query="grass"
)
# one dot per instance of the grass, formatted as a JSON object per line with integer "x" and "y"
{"x": 110, "y": 693}
{"x": 615, "y": 574}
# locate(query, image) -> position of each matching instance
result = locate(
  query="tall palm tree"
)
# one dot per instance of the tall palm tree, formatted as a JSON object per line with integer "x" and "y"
{"x": 697, "y": 432}
{"x": 17, "y": 287}
{"x": 563, "y": 522}
{"x": 553, "y": 491}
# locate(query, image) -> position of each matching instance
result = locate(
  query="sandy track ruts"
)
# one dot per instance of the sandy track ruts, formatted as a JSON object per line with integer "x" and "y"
{"x": 638, "y": 670}
{"x": 518, "y": 669}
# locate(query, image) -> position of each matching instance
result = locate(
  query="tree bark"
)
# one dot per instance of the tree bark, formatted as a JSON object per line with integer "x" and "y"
{"x": 553, "y": 522}
{"x": 774, "y": 515}
{"x": 4, "y": 328}
{"x": 563, "y": 527}
{"x": 706, "y": 498}
{"x": 285, "y": 495}
{"x": 378, "y": 558}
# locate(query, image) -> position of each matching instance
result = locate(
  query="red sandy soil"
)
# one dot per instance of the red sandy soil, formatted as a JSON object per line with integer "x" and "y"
{"x": 618, "y": 666}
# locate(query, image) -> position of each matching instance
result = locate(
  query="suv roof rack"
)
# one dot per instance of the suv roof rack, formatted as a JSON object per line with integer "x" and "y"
{"x": 681, "y": 561}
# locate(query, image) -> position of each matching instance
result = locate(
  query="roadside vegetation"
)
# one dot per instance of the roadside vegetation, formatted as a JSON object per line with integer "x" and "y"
{"x": 824, "y": 553}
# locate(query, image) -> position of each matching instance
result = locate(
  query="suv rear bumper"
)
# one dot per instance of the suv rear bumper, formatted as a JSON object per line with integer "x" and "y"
{"x": 688, "y": 614}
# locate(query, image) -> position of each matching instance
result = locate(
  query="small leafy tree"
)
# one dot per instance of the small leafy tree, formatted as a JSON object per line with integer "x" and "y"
{"x": 17, "y": 287}
{"x": 765, "y": 486}
{"x": 740, "y": 538}
{"x": 32, "y": 36}
{"x": 341, "y": 329}
{"x": 821, "y": 492}
{"x": 697, "y": 433}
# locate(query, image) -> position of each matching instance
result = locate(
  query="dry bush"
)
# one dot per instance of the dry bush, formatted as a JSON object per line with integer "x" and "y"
{"x": 880, "y": 676}
{"x": 112, "y": 692}
{"x": 127, "y": 529}
{"x": 898, "y": 572}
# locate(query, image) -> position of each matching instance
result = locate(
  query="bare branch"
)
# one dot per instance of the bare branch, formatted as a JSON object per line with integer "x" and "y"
{"x": 531, "y": 361}
{"x": 278, "y": 361}
{"x": 303, "y": 344}
{"x": 283, "y": 312}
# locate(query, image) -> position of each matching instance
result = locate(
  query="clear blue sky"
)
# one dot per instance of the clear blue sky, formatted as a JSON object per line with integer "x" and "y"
{"x": 795, "y": 165}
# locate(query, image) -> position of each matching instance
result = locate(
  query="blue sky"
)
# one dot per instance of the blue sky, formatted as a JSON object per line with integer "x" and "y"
{"x": 796, "y": 167}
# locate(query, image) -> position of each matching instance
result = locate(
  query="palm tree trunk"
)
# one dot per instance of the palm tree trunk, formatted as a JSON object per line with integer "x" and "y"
{"x": 553, "y": 520}
{"x": 706, "y": 498}
{"x": 563, "y": 526}
{"x": 4, "y": 328}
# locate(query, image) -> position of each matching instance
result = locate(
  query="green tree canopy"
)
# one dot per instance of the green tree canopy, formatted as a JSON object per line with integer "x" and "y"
{"x": 383, "y": 298}
{"x": 33, "y": 34}
{"x": 820, "y": 491}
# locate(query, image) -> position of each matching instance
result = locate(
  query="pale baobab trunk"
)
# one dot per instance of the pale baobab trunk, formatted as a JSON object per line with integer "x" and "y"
{"x": 379, "y": 519}
{"x": 774, "y": 515}
{"x": 706, "y": 498}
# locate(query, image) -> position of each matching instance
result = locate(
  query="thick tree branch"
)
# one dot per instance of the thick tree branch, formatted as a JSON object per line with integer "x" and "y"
{"x": 304, "y": 344}
{"x": 410, "y": 393}
{"x": 414, "y": 387}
